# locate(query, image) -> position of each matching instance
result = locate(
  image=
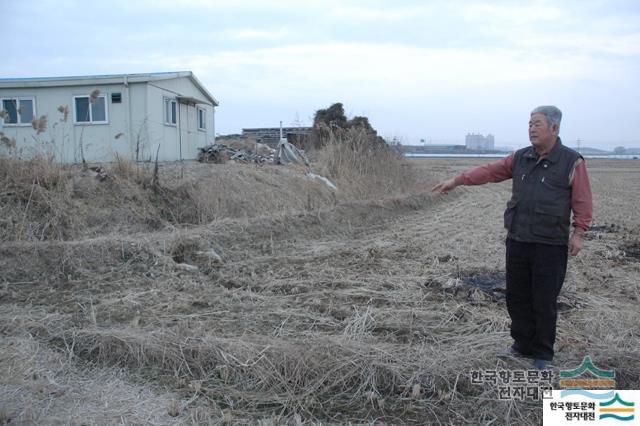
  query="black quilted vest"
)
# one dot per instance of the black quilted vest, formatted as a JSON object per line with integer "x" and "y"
{"x": 540, "y": 207}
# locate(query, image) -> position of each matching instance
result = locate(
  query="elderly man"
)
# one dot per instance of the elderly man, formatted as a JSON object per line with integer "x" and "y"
{"x": 549, "y": 182}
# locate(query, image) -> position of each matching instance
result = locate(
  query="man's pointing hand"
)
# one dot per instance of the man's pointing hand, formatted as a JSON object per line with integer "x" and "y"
{"x": 445, "y": 186}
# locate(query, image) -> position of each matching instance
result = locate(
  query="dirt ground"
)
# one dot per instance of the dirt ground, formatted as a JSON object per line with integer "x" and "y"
{"x": 354, "y": 312}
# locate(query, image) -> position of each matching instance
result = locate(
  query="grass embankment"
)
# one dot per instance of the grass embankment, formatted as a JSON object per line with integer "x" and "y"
{"x": 108, "y": 273}
{"x": 42, "y": 200}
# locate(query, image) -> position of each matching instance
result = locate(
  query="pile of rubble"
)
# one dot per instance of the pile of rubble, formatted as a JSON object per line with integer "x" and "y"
{"x": 216, "y": 153}
{"x": 285, "y": 153}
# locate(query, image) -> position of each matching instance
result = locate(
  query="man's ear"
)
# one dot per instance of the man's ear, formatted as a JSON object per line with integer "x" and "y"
{"x": 555, "y": 129}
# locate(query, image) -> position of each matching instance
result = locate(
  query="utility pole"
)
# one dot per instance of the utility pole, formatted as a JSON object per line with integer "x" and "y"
{"x": 578, "y": 142}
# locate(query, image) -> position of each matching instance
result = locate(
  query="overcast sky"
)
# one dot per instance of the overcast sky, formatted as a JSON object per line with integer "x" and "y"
{"x": 432, "y": 70}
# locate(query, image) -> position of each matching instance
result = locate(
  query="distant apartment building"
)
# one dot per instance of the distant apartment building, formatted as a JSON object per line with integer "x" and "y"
{"x": 479, "y": 142}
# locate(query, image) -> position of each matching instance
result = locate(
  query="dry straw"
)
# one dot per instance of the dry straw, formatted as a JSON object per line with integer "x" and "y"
{"x": 39, "y": 124}
{"x": 322, "y": 307}
{"x": 64, "y": 110}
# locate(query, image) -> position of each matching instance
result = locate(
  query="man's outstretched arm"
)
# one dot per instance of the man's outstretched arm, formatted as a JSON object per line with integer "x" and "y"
{"x": 493, "y": 172}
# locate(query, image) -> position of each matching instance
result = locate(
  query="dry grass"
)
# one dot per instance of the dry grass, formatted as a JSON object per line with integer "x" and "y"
{"x": 41, "y": 385}
{"x": 366, "y": 168}
{"x": 323, "y": 307}
{"x": 35, "y": 196}
{"x": 43, "y": 200}
{"x": 308, "y": 374}
{"x": 241, "y": 191}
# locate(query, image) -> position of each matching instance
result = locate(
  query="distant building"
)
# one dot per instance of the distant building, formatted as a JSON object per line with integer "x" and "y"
{"x": 271, "y": 135}
{"x": 477, "y": 142}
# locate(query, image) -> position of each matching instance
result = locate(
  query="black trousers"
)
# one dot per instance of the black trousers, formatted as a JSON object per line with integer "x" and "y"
{"x": 535, "y": 273}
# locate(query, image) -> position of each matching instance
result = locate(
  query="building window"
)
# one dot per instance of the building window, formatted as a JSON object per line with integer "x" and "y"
{"x": 116, "y": 98}
{"x": 88, "y": 111}
{"x": 202, "y": 119}
{"x": 18, "y": 111}
{"x": 170, "y": 112}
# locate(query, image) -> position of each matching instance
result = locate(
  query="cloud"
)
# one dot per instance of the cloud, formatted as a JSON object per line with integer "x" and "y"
{"x": 387, "y": 69}
{"x": 257, "y": 34}
{"x": 207, "y": 5}
{"x": 594, "y": 44}
{"x": 514, "y": 15}
{"x": 590, "y": 28}
{"x": 369, "y": 13}
{"x": 394, "y": 60}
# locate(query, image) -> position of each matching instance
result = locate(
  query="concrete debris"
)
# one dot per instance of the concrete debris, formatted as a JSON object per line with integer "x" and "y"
{"x": 216, "y": 153}
{"x": 285, "y": 153}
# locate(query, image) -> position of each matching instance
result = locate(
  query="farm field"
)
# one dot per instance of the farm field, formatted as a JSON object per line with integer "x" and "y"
{"x": 326, "y": 310}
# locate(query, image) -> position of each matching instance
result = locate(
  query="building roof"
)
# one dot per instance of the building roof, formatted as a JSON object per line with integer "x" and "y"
{"x": 91, "y": 80}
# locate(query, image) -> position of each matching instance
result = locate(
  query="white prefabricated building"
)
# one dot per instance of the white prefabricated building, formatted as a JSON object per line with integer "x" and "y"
{"x": 134, "y": 116}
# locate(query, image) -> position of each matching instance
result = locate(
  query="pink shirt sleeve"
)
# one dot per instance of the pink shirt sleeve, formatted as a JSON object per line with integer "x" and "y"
{"x": 493, "y": 172}
{"x": 581, "y": 199}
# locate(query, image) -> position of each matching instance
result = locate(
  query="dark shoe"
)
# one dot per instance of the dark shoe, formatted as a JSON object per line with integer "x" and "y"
{"x": 542, "y": 364}
{"x": 511, "y": 352}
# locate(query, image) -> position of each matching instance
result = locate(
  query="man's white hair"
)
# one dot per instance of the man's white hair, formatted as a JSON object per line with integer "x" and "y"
{"x": 553, "y": 114}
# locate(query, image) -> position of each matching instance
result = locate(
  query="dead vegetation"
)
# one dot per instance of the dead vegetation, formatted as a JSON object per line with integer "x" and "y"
{"x": 45, "y": 201}
{"x": 366, "y": 168}
{"x": 250, "y": 294}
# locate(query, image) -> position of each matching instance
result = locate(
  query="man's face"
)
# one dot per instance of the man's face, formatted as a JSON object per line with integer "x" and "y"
{"x": 541, "y": 134}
